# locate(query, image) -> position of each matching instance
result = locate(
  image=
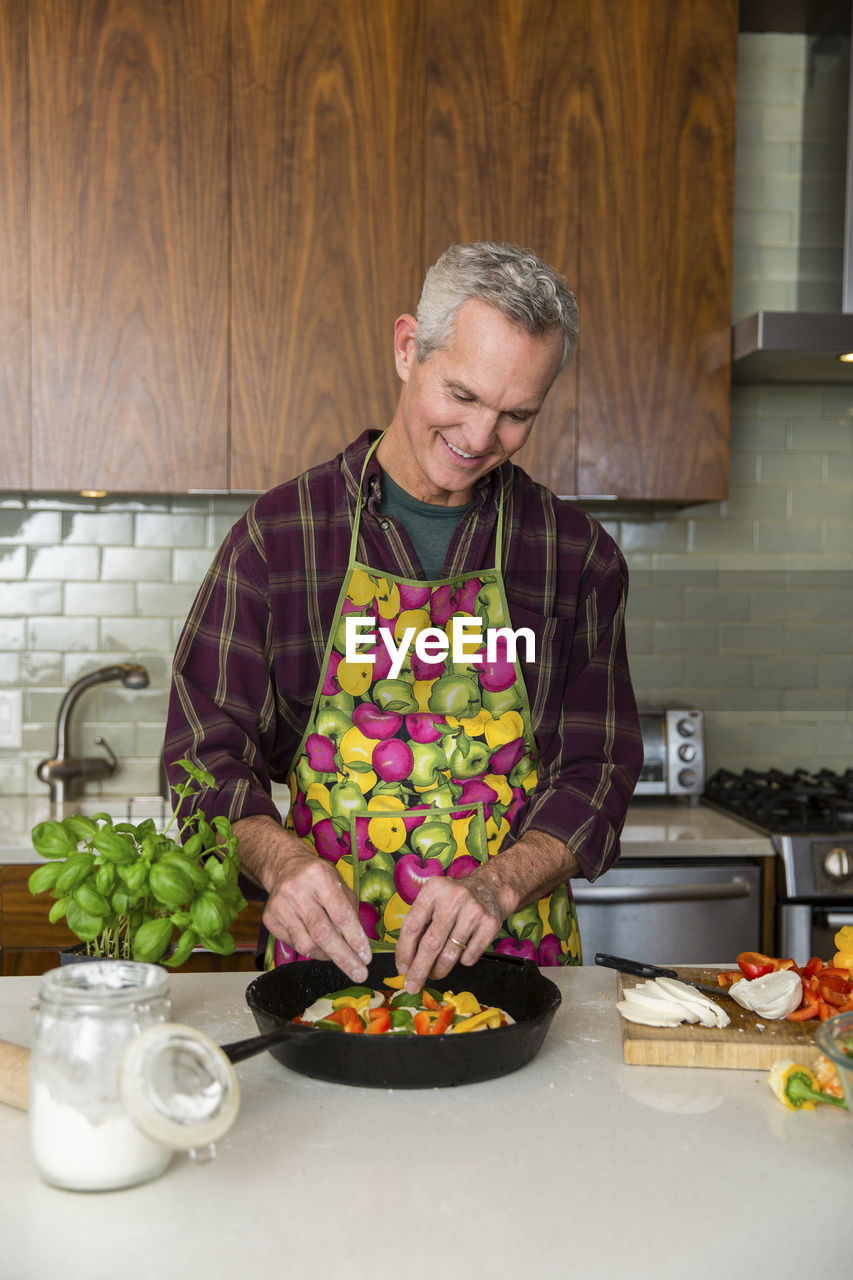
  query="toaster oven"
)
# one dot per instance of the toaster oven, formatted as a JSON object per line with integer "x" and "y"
{"x": 674, "y": 750}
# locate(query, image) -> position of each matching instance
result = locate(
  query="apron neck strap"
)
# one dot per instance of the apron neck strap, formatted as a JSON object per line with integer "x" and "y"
{"x": 359, "y": 503}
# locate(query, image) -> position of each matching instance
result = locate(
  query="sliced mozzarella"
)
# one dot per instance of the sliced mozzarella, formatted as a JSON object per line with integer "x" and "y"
{"x": 710, "y": 1013}
{"x": 654, "y": 999}
{"x": 772, "y": 996}
{"x": 633, "y": 1011}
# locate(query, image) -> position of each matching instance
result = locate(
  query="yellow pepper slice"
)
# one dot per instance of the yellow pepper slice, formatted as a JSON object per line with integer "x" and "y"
{"x": 487, "y": 1018}
{"x": 464, "y": 1002}
{"x": 396, "y": 982}
{"x": 359, "y": 1003}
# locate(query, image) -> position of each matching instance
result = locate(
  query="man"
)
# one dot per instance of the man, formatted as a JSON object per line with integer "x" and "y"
{"x": 442, "y": 797}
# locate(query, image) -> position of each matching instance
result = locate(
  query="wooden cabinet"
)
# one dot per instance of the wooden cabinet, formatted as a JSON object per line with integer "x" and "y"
{"x": 229, "y": 203}
{"x": 14, "y": 250}
{"x": 503, "y": 148}
{"x": 30, "y": 944}
{"x": 326, "y": 214}
{"x": 603, "y": 137}
{"x": 129, "y": 214}
{"x": 657, "y": 166}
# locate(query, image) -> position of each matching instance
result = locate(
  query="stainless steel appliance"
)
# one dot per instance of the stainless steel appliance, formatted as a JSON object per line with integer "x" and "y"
{"x": 809, "y": 818}
{"x": 672, "y": 910}
{"x": 674, "y": 749}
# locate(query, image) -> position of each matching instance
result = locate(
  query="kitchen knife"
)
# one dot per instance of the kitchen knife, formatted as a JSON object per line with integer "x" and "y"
{"x": 641, "y": 970}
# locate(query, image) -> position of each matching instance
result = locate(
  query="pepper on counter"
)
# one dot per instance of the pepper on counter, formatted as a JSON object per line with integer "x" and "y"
{"x": 797, "y": 1088}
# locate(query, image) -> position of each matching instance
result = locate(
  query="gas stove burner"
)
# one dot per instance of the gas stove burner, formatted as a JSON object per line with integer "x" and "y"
{"x": 799, "y": 801}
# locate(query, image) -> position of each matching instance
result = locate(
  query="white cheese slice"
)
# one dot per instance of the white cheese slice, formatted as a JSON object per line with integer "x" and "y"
{"x": 647, "y": 1016}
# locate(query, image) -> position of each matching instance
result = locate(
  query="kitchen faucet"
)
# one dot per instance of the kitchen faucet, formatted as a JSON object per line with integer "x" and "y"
{"x": 64, "y": 772}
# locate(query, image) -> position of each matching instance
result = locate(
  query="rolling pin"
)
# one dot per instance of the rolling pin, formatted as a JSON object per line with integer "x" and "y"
{"x": 14, "y": 1075}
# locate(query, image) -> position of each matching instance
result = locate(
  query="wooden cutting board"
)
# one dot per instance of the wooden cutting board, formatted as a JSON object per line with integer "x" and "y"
{"x": 748, "y": 1043}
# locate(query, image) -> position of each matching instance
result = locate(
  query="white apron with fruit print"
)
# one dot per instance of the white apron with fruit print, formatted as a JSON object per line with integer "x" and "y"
{"x": 404, "y": 776}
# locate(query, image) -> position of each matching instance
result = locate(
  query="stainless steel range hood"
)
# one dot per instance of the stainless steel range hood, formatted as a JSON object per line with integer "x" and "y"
{"x": 803, "y": 346}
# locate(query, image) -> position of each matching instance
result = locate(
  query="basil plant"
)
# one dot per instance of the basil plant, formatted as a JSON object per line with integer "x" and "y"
{"x": 129, "y": 892}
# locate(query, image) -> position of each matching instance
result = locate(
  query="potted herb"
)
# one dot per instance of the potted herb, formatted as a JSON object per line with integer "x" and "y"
{"x": 129, "y": 892}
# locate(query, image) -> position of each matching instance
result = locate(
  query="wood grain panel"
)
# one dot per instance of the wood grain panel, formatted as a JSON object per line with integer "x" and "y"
{"x": 129, "y": 243}
{"x": 748, "y": 1043}
{"x": 502, "y": 150}
{"x": 656, "y": 248}
{"x": 29, "y": 943}
{"x": 326, "y": 209}
{"x": 14, "y": 250}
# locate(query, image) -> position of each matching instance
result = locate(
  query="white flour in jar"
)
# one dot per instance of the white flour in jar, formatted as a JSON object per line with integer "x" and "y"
{"x": 72, "y": 1151}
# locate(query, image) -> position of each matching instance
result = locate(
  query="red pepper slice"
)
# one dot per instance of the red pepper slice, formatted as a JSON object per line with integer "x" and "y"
{"x": 348, "y": 1018}
{"x": 837, "y": 979}
{"x": 727, "y": 976}
{"x": 808, "y": 1009}
{"x": 429, "y": 1001}
{"x": 422, "y": 1022}
{"x": 812, "y": 967}
{"x": 753, "y": 964}
{"x": 379, "y": 1021}
{"x": 443, "y": 1019}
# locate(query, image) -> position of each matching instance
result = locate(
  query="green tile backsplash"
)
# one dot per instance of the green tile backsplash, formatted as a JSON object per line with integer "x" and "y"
{"x": 743, "y": 608}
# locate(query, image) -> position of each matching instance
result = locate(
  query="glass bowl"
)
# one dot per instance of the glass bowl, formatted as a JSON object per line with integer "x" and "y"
{"x": 835, "y": 1038}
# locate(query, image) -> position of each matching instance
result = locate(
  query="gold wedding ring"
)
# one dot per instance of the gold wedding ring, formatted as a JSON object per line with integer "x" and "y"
{"x": 463, "y": 945}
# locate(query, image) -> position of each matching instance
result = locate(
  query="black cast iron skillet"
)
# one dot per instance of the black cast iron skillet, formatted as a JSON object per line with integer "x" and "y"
{"x": 401, "y": 1062}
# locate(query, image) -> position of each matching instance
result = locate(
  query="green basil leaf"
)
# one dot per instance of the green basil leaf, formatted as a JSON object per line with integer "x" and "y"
{"x": 170, "y": 883}
{"x": 86, "y": 926}
{"x": 152, "y": 939}
{"x": 111, "y": 844}
{"x": 207, "y": 915}
{"x": 76, "y": 870}
{"x": 87, "y": 897}
{"x": 84, "y": 828}
{"x": 57, "y": 911}
{"x": 183, "y": 950}
{"x": 44, "y": 877}
{"x": 52, "y": 840}
{"x": 222, "y": 944}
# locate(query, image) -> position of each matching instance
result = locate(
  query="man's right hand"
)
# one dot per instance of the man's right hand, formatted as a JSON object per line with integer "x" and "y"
{"x": 308, "y": 905}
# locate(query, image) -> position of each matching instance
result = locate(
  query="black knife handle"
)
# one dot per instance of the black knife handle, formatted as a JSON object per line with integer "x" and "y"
{"x": 636, "y": 967}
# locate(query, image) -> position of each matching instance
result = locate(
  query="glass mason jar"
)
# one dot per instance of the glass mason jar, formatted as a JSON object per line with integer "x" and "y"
{"x": 81, "y": 1136}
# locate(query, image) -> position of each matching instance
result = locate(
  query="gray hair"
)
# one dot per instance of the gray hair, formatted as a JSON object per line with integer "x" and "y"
{"x": 513, "y": 280}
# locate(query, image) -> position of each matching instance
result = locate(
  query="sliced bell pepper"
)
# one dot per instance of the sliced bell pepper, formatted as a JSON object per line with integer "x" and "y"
{"x": 810, "y": 969}
{"x": 442, "y": 1020}
{"x": 422, "y": 1023}
{"x": 729, "y": 976}
{"x": 797, "y": 1088}
{"x": 753, "y": 964}
{"x": 378, "y": 1021}
{"x": 348, "y": 1018}
{"x": 428, "y": 1001}
{"x": 486, "y": 1018}
{"x": 809, "y": 1007}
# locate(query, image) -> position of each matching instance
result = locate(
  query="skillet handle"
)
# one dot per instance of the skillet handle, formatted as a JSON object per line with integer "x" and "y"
{"x": 239, "y": 1050}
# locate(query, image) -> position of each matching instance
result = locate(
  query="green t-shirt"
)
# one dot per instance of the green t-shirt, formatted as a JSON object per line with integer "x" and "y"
{"x": 430, "y": 527}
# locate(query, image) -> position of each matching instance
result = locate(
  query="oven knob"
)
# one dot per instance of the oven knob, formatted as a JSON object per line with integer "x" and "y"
{"x": 838, "y": 863}
{"x": 687, "y": 778}
{"x": 687, "y": 751}
{"x": 687, "y": 728}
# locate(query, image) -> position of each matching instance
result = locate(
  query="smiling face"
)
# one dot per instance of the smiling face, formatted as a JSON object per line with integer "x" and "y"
{"x": 467, "y": 407}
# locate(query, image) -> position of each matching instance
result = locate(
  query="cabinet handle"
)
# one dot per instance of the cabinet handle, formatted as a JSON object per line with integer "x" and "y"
{"x": 838, "y": 919}
{"x": 664, "y": 893}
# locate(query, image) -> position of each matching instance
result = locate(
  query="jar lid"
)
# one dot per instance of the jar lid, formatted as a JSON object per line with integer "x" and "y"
{"x": 178, "y": 1086}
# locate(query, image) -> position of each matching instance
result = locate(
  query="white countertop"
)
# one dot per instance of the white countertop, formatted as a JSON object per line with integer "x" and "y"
{"x": 654, "y": 828}
{"x": 576, "y": 1165}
